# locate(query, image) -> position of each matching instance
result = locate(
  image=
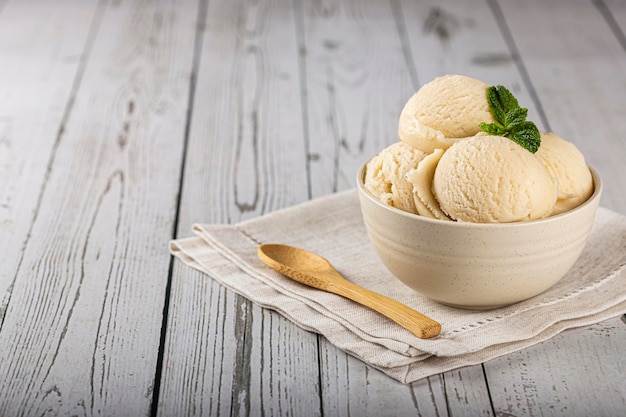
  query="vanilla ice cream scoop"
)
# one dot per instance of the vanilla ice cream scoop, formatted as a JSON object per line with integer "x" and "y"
{"x": 422, "y": 178}
{"x": 491, "y": 179}
{"x": 567, "y": 164}
{"x": 385, "y": 175}
{"x": 443, "y": 111}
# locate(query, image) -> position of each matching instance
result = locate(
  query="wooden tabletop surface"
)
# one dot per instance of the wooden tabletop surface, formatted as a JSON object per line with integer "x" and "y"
{"x": 124, "y": 122}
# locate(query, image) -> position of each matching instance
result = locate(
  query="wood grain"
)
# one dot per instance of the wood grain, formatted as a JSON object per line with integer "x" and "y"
{"x": 467, "y": 392}
{"x": 203, "y": 351}
{"x": 246, "y": 114}
{"x": 245, "y": 157}
{"x": 81, "y": 331}
{"x": 32, "y": 113}
{"x": 356, "y": 81}
{"x": 534, "y": 378}
{"x": 355, "y": 389}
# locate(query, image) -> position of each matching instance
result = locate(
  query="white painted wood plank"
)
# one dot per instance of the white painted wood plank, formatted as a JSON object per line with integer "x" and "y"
{"x": 350, "y": 387}
{"x": 353, "y": 388}
{"x": 569, "y": 59}
{"x": 463, "y": 38}
{"x": 577, "y": 373}
{"x": 578, "y": 68}
{"x": 356, "y": 81}
{"x": 616, "y": 10}
{"x": 82, "y": 329}
{"x": 202, "y": 349}
{"x": 39, "y": 60}
{"x": 245, "y": 157}
{"x": 284, "y": 371}
{"x": 467, "y": 392}
{"x": 406, "y": 44}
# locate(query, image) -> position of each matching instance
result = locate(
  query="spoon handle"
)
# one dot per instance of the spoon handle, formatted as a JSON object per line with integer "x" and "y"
{"x": 317, "y": 272}
{"x": 415, "y": 322}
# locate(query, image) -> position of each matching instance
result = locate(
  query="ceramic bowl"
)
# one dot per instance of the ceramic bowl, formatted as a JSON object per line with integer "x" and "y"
{"x": 474, "y": 265}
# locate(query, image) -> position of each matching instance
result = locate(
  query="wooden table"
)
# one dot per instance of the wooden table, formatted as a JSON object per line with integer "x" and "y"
{"x": 124, "y": 122}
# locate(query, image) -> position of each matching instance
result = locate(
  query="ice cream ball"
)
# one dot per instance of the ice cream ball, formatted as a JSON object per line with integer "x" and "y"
{"x": 491, "y": 179}
{"x": 567, "y": 165}
{"x": 385, "y": 175}
{"x": 443, "y": 111}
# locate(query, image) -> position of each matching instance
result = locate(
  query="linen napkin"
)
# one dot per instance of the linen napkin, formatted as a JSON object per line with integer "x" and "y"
{"x": 332, "y": 226}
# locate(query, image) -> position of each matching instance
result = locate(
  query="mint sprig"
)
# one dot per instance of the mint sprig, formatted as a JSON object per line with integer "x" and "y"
{"x": 510, "y": 119}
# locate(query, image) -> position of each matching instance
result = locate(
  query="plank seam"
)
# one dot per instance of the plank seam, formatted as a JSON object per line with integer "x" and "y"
{"x": 200, "y": 24}
{"x": 607, "y": 15}
{"x": 405, "y": 42}
{"x": 493, "y": 410}
{"x": 517, "y": 58}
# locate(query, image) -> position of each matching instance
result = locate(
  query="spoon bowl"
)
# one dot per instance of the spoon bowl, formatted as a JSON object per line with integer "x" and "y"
{"x": 315, "y": 271}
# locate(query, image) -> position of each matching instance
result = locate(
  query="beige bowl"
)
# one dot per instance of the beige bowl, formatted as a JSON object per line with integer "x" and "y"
{"x": 473, "y": 265}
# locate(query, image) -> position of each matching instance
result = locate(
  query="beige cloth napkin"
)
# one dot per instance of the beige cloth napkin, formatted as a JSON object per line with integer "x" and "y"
{"x": 594, "y": 289}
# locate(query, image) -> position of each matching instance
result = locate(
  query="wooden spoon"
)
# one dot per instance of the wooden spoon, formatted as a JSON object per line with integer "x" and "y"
{"x": 313, "y": 270}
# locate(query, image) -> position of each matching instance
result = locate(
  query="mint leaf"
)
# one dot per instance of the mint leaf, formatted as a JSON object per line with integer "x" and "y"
{"x": 508, "y": 100}
{"x": 495, "y": 104}
{"x": 515, "y": 117}
{"x": 493, "y": 129}
{"x": 526, "y": 135}
{"x": 510, "y": 119}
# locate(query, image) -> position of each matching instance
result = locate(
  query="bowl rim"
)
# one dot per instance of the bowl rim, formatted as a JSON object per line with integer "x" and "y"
{"x": 597, "y": 191}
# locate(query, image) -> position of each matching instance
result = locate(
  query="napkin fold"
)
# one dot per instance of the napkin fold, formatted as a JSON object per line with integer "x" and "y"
{"x": 593, "y": 290}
